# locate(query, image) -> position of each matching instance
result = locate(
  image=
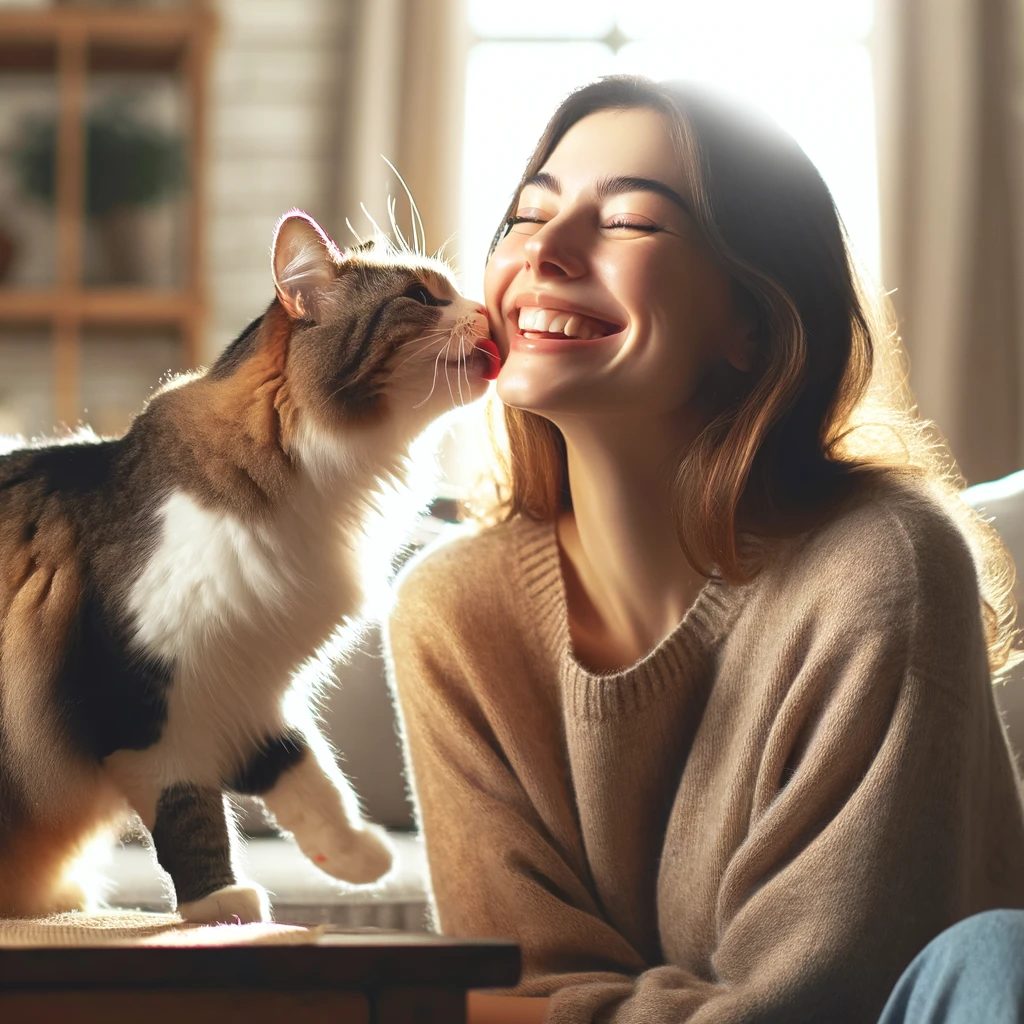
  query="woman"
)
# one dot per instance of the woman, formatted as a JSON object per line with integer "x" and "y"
{"x": 703, "y": 717}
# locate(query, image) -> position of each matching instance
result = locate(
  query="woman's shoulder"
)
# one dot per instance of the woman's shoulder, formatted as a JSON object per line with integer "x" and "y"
{"x": 892, "y": 531}
{"x": 465, "y": 565}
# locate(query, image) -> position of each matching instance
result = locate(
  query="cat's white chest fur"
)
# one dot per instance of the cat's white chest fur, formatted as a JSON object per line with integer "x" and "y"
{"x": 212, "y": 574}
{"x": 236, "y": 608}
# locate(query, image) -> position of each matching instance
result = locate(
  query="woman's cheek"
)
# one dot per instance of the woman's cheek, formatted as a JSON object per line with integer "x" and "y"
{"x": 642, "y": 271}
{"x": 498, "y": 274}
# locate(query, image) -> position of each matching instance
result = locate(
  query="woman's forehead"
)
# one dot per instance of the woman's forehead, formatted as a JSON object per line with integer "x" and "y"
{"x": 631, "y": 143}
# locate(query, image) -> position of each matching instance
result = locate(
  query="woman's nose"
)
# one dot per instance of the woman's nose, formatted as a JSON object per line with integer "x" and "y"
{"x": 552, "y": 250}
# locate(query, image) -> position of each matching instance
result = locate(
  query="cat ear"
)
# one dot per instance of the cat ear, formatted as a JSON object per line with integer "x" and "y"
{"x": 304, "y": 260}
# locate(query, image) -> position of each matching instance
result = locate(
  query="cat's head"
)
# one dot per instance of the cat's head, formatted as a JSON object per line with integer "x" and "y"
{"x": 376, "y": 332}
{"x": 365, "y": 338}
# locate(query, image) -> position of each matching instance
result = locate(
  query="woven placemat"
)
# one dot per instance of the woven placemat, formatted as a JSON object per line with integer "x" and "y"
{"x": 134, "y": 928}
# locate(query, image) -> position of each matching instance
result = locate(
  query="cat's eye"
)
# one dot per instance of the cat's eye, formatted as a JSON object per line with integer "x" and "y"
{"x": 421, "y": 293}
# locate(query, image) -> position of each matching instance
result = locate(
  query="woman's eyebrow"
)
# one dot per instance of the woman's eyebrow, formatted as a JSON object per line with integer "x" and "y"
{"x": 613, "y": 186}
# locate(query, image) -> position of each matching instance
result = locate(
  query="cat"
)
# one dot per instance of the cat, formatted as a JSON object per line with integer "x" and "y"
{"x": 159, "y": 591}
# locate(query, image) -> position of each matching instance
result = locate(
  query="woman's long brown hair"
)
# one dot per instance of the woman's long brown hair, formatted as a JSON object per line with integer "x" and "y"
{"x": 828, "y": 404}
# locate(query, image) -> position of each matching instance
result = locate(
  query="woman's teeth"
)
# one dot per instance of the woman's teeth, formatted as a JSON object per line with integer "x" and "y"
{"x": 555, "y": 321}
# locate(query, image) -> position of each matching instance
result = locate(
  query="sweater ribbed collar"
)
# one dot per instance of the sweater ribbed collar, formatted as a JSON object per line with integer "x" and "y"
{"x": 598, "y": 695}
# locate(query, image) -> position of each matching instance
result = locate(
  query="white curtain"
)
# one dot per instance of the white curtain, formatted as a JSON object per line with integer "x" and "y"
{"x": 950, "y": 91}
{"x": 407, "y": 61}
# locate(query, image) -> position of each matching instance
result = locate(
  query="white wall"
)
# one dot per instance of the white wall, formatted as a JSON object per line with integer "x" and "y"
{"x": 278, "y": 112}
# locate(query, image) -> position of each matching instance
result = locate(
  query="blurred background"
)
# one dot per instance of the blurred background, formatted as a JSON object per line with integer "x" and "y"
{"x": 147, "y": 149}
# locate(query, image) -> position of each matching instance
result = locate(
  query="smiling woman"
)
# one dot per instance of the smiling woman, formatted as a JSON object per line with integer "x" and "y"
{"x": 621, "y": 252}
{"x": 700, "y": 711}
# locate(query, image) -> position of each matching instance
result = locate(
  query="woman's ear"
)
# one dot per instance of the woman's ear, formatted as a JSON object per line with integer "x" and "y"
{"x": 742, "y": 352}
{"x": 741, "y": 349}
{"x": 304, "y": 260}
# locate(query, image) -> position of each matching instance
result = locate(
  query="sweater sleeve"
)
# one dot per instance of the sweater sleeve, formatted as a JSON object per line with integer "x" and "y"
{"x": 500, "y": 863}
{"x": 870, "y": 826}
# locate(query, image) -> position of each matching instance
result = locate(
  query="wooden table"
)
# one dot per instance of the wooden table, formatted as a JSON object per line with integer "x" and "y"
{"x": 342, "y": 978}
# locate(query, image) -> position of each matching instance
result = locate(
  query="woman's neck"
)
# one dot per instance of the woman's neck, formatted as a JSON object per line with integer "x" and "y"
{"x": 627, "y": 579}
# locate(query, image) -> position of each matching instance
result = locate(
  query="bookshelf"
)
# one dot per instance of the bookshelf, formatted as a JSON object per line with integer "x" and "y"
{"x": 73, "y": 43}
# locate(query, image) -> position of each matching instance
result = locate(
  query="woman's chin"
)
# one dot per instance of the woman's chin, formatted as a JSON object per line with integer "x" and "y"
{"x": 524, "y": 390}
{"x": 514, "y": 387}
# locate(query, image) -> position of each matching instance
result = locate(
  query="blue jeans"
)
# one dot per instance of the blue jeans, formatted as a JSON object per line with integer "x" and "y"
{"x": 973, "y": 973}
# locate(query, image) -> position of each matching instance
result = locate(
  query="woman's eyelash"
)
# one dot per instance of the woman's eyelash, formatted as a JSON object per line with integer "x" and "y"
{"x": 512, "y": 221}
{"x": 636, "y": 227}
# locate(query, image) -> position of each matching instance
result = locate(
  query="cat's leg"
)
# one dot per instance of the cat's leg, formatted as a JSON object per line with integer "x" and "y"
{"x": 302, "y": 787}
{"x": 192, "y": 838}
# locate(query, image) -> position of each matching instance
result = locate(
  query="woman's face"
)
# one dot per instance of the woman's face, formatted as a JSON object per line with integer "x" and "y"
{"x": 601, "y": 295}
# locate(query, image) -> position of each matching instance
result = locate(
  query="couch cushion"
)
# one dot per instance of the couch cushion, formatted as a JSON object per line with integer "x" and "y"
{"x": 1002, "y": 501}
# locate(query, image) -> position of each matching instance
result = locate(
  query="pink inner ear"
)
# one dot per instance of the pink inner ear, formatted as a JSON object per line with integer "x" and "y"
{"x": 298, "y": 220}
{"x": 303, "y": 260}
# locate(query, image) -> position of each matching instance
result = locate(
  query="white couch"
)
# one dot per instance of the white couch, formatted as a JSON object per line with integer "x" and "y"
{"x": 1002, "y": 501}
{"x": 299, "y": 892}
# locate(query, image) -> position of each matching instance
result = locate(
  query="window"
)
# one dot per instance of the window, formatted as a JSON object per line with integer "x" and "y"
{"x": 804, "y": 63}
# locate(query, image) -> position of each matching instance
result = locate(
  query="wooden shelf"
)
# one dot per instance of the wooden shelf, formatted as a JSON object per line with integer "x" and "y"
{"x": 27, "y": 54}
{"x": 130, "y": 40}
{"x": 73, "y": 43}
{"x": 108, "y": 305}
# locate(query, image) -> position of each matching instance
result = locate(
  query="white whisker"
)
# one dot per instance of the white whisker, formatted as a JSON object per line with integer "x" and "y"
{"x": 447, "y": 379}
{"x": 465, "y": 369}
{"x": 439, "y": 252}
{"x": 394, "y": 224}
{"x": 458, "y": 368}
{"x": 433, "y": 382}
{"x": 420, "y": 351}
{"x": 421, "y": 241}
{"x": 359, "y": 238}
{"x": 369, "y": 217}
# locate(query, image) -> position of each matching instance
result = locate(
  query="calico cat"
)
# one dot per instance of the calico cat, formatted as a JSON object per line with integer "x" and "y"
{"x": 159, "y": 591}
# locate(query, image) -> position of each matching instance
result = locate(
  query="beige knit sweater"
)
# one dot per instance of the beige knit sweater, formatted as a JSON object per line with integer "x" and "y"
{"x": 762, "y": 820}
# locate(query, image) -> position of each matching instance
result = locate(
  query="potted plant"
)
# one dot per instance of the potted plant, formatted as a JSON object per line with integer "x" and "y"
{"x": 131, "y": 167}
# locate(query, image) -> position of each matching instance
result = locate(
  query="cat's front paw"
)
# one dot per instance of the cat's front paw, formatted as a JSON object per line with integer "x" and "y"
{"x": 359, "y": 855}
{"x": 234, "y": 904}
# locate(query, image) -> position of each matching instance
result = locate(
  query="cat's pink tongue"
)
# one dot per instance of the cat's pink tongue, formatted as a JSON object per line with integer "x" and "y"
{"x": 494, "y": 357}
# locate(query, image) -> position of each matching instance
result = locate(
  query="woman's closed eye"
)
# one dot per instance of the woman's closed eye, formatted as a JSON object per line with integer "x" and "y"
{"x": 632, "y": 225}
{"x": 615, "y": 222}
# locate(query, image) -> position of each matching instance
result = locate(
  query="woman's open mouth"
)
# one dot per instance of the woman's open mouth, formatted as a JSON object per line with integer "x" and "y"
{"x": 538, "y": 329}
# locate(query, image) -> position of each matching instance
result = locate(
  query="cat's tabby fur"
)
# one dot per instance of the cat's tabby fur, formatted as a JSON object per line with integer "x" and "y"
{"x": 159, "y": 591}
